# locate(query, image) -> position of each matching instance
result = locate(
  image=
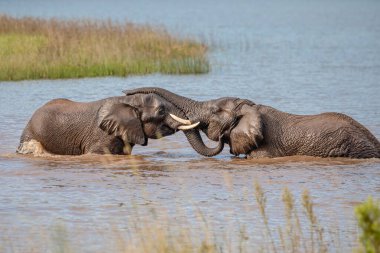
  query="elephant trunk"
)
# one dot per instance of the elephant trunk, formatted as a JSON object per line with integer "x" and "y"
{"x": 190, "y": 108}
{"x": 195, "y": 140}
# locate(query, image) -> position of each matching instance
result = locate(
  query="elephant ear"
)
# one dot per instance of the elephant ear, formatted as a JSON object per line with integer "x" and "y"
{"x": 247, "y": 135}
{"x": 122, "y": 120}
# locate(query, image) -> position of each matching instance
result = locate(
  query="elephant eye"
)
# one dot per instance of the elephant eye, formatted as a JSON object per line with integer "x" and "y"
{"x": 215, "y": 109}
{"x": 160, "y": 110}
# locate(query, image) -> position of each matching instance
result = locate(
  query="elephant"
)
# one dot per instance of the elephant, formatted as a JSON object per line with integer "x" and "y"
{"x": 109, "y": 126}
{"x": 258, "y": 131}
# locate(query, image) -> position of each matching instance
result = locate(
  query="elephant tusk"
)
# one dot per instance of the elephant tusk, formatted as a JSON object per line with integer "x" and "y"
{"x": 188, "y": 127}
{"x": 180, "y": 120}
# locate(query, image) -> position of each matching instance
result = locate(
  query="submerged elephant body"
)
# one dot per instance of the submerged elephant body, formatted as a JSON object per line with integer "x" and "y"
{"x": 108, "y": 126}
{"x": 262, "y": 131}
{"x": 114, "y": 125}
{"x": 283, "y": 134}
{"x": 66, "y": 127}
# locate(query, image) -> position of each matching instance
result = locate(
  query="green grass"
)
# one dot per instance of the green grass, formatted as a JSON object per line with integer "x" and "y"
{"x": 32, "y": 48}
{"x": 368, "y": 216}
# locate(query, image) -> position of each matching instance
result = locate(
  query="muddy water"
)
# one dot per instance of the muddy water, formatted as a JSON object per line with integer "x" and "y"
{"x": 298, "y": 57}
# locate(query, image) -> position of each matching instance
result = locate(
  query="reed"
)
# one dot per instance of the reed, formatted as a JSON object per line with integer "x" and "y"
{"x": 34, "y": 48}
{"x": 292, "y": 235}
{"x": 301, "y": 232}
{"x": 368, "y": 216}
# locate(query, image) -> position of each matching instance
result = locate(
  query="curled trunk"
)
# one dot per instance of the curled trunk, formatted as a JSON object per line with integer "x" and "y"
{"x": 195, "y": 140}
{"x": 188, "y": 106}
{"x": 190, "y": 109}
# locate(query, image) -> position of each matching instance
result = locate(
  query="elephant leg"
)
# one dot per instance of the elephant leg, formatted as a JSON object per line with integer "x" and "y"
{"x": 259, "y": 153}
{"x": 114, "y": 146}
{"x": 32, "y": 147}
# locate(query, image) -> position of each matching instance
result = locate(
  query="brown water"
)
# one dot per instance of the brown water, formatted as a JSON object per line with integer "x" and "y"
{"x": 298, "y": 57}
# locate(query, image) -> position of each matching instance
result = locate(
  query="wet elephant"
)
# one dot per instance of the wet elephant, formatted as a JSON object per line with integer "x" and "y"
{"x": 262, "y": 131}
{"x": 108, "y": 126}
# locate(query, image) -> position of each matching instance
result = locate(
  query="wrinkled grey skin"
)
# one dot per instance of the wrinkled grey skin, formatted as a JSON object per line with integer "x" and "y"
{"x": 108, "y": 126}
{"x": 262, "y": 131}
{"x": 216, "y": 117}
{"x": 266, "y": 132}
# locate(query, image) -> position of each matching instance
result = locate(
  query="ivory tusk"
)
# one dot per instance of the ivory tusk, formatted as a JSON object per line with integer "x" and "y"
{"x": 187, "y": 127}
{"x": 180, "y": 120}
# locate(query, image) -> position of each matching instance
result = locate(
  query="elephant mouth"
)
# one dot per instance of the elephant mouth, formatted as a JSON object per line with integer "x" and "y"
{"x": 152, "y": 131}
{"x": 165, "y": 131}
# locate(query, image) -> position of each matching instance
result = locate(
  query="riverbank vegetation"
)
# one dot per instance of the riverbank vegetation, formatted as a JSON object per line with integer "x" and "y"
{"x": 300, "y": 231}
{"x": 33, "y": 48}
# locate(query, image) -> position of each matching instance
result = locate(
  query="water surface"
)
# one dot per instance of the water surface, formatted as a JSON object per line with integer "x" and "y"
{"x": 300, "y": 57}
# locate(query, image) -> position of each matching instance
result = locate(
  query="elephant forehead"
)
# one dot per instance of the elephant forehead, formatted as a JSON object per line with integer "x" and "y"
{"x": 152, "y": 100}
{"x": 148, "y": 99}
{"x": 227, "y": 103}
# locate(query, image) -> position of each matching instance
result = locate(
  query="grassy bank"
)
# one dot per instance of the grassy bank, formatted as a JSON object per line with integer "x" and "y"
{"x": 32, "y": 48}
{"x": 301, "y": 231}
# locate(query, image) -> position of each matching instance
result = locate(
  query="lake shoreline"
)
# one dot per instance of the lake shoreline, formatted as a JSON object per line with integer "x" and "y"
{"x": 35, "y": 48}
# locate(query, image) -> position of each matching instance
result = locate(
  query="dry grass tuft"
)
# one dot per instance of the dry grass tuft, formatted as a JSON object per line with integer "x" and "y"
{"x": 292, "y": 235}
{"x": 33, "y": 48}
{"x": 151, "y": 229}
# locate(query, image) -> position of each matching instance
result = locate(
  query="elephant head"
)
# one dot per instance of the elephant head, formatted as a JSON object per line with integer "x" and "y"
{"x": 226, "y": 120}
{"x": 172, "y": 116}
{"x": 140, "y": 117}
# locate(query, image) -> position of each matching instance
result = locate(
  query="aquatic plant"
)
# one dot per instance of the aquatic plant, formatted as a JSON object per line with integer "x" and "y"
{"x": 34, "y": 48}
{"x": 146, "y": 233}
{"x": 368, "y": 216}
{"x": 292, "y": 236}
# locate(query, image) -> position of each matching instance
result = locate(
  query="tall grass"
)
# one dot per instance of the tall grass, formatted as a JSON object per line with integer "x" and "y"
{"x": 33, "y": 48}
{"x": 293, "y": 236}
{"x": 301, "y": 231}
{"x": 368, "y": 215}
